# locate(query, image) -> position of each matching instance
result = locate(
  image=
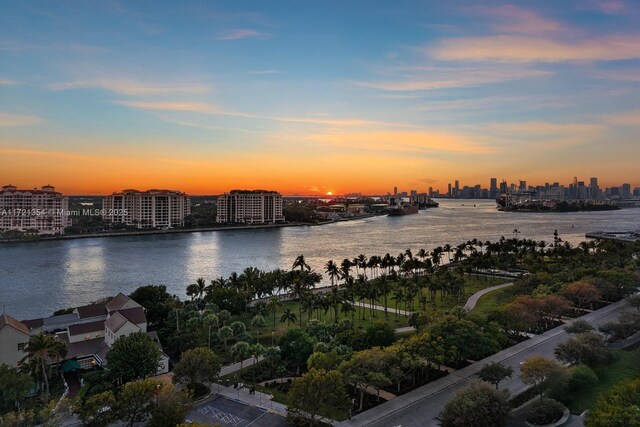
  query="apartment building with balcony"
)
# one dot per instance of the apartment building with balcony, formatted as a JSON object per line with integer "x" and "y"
{"x": 147, "y": 209}
{"x": 250, "y": 207}
{"x": 43, "y": 211}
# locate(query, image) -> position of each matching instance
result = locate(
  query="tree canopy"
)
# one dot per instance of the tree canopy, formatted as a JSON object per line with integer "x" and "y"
{"x": 133, "y": 357}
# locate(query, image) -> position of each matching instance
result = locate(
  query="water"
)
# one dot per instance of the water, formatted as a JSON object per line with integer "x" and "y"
{"x": 38, "y": 278}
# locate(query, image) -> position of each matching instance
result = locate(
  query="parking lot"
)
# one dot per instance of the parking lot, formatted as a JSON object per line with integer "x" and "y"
{"x": 226, "y": 412}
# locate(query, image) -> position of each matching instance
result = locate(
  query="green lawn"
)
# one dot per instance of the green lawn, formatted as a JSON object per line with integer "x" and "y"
{"x": 625, "y": 364}
{"x": 493, "y": 299}
{"x": 473, "y": 284}
{"x": 360, "y": 318}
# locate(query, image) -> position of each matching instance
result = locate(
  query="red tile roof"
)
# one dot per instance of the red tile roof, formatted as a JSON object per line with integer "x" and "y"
{"x": 6, "y": 320}
{"x": 86, "y": 328}
{"x": 117, "y": 302}
{"x": 92, "y": 310}
{"x": 115, "y": 322}
{"x": 34, "y": 323}
{"x": 134, "y": 315}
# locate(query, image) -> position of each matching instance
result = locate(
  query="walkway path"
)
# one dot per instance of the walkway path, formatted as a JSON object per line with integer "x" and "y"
{"x": 473, "y": 299}
{"x": 421, "y": 406}
{"x": 234, "y": 367}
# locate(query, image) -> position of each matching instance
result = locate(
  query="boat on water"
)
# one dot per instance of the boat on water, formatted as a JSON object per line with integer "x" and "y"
{"x": 398, "y": 208}
{"x": 430, "y": 203}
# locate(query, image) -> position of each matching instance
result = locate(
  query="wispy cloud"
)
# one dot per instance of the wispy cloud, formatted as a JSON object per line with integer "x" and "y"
{"x": 625, "y": 74}
{"x": 7, "y": 119}
{"x": 514, "y": 19}
{"x": 7, "y": 82}
{"x": 628, "y": 118}
{"x": 538, "y": 128}
{"x": 453, "y": 78}
{"x": 209, "y": 109}
{"x": 131, "y": 87}
{"x": 607, "y": 6}
{"x": 239, "y": 34}
{"x": 401, "y": 141}
{"x": 505, "y": 48}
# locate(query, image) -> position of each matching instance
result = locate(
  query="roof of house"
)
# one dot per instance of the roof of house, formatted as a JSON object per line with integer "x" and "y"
{"x": 86, "y": 328}
{"x": 92, "y": 310}
{"x": 134, "y": 315}
{"x": 117, "y": 302}
{"x": 116, "y": 321}
{"x": 86, "y": 348}
{"x": 6, "y": 320}
{"x": 34, "y": 323}
{"x": 60, "y": 320}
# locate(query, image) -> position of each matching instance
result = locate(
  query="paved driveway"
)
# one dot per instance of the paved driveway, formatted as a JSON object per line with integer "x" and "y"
{"x": 226, "y": 412}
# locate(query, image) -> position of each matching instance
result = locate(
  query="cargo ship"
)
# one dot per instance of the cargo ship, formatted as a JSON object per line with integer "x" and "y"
{"x": 398, "y": 208}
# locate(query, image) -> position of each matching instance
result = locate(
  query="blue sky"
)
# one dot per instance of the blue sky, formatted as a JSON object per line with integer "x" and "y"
{"x": 317, "y": 96}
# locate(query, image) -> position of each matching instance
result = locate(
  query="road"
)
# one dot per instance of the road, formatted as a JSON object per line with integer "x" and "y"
{"x": 420, "y": 407}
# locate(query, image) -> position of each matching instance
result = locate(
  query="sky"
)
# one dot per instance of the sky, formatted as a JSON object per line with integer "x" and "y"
{"x": 315, "y": 97}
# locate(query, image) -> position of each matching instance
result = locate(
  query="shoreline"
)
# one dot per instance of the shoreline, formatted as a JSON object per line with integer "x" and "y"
{"x": 155, "y": 232}
{"x": 176, "y": 231}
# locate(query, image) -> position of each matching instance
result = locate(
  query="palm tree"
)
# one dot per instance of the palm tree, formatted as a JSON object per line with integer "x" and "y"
{"x": 332, "y": 270}
{"x": 347, "y": 308}
{"x": 225, "y": 333}
{"x": 241, "y": 350}
{"x": 300, "y": 263}
{"x": 40, "y": 349}
{"x": 273, "y": 305}
{"x": 210, "y": 320}
{"x": 258, "y": 322}
{"x": 288, "y": 316}
{"x": 447, "y": 249}
{"x": 334, "y": 299}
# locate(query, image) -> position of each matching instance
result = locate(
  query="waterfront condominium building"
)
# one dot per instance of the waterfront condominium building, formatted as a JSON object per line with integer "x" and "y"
{"x": 250, "y": 207}
{"x": 43, "y": 211}
{"x": 147, "y": 209}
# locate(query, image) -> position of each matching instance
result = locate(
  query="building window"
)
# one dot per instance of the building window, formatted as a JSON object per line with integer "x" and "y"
{"x": 21, "y": 346}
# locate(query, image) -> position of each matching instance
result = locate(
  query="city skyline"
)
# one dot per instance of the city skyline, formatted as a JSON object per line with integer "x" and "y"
{"x": 312, "y": 99}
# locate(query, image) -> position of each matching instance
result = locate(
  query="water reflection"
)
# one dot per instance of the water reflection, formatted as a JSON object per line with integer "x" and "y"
{"x": 37, "y": 278}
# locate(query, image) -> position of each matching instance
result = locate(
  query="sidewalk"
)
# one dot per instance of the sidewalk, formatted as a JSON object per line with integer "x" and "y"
{"x": 473, "y": 299}
{"x": 234, "y": 367}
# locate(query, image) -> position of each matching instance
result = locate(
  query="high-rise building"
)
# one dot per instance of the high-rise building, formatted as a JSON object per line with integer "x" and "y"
{"x": 523, "y": 185}
{"x": 493, "y": 188}
{"x": 395, "y": 191}
{"x": 250, "y": 207}
{"x": 43, "y": 211}
{"x": 625, "y": 192}
{"x": 147, "y": 209}
{"x": 449, "y": 190}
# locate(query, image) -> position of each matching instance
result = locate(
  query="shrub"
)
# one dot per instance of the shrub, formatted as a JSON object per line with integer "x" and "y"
{"x": 545, "y": 411}
{"x": 582, "y": 377}
{"x": 199, "y": 390}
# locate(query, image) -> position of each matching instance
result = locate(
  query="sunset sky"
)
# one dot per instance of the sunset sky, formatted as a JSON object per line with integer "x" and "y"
{"x": 317, "y": 96}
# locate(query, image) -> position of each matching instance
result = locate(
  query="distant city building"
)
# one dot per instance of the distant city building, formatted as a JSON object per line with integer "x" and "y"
{"x": 250, "y": 207}
{"x": 147, "y": 209}
{"x": 43, "y": 211}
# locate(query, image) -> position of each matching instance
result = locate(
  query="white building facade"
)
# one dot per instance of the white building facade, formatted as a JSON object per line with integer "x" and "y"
{"x": 250, "y": 207}
{"x": 43, "y": 211}
{"x": 147, "y": 209}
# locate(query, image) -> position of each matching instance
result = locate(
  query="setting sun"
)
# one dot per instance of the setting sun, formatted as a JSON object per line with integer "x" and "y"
{"x": 329, "y": 193}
